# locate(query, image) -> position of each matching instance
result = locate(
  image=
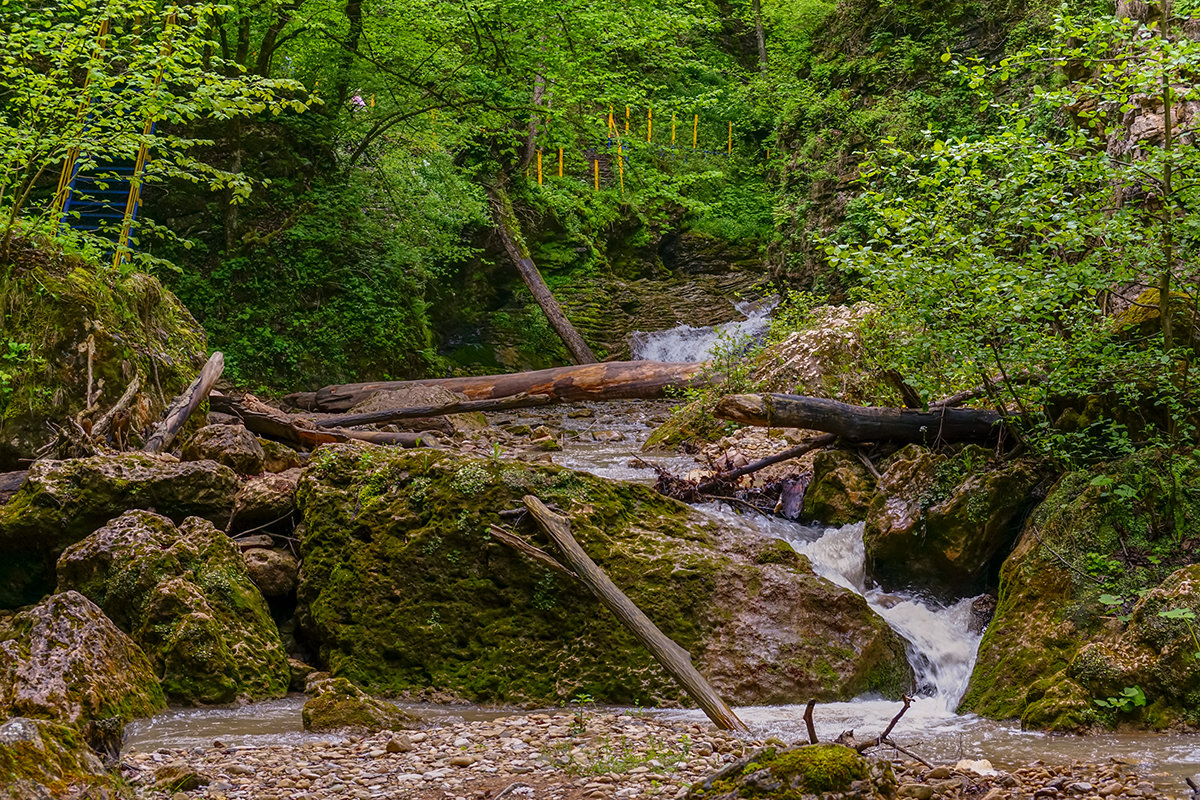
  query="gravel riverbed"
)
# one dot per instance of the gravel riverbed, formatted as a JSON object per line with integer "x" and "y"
{"x": 565, "y": 756}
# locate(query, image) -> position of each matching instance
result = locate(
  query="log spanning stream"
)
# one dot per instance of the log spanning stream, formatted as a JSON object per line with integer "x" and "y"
{"x": 942, "y": 645}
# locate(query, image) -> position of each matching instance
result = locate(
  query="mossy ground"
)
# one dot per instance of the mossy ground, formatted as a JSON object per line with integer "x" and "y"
{"x": 56, "y": 760}
{"x": 51, "y": 308}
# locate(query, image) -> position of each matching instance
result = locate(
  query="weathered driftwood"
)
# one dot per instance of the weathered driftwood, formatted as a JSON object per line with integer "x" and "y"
{"x": 610, "y": 380}
{"x": 271, "y": 424}
{"x": 860, "y": 423}
{"x": 416, "y": 412}
{"x": 536, "y": 553}
{"x": 673, "y": 658}
{"x": 763, "y": 463}
{"x": 510, "y": 235}
{"x": 101, "y": 428}
{"x": 182, "y": 407}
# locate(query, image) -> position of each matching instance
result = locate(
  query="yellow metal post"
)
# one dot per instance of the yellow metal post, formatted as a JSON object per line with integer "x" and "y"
{"x": 596, "y": 172}
{"x": 539, "y": 167}
{"x": 621, "y": 165}
{"x": 672, "y": 129}
{"x": 695, "y": 125}
{"x": 135, "y": 180}
{"x": 626, "y": 120}
{"x": 649, "y": 123}
{"x": 729, "y": 149}
{"x": 68, "y": 170}
{"x": 560, "y": 162}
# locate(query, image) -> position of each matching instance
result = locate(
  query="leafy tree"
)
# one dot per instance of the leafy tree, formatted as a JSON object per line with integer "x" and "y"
{"x": 83, "y": 79}
{"x": 1002, "y": 258}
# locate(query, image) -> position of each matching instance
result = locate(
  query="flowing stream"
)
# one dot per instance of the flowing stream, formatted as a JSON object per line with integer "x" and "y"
{"x": 942, "y": 640}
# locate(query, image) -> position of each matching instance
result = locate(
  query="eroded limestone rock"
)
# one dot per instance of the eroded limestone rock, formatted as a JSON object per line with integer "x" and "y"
{"x": 63, "y": 501}
{"x": 403, "y": 589}
{"x": 183, "y": 593}
{"x": 63, "y": 659}
{"x": 40, "y": 759}
{"x": 265, "y": 499}
{"x": 841, "y": 489}
{"x": 274, "y": 572}
{"x": 336, "y": 703}
{"x": 231, "y": 445}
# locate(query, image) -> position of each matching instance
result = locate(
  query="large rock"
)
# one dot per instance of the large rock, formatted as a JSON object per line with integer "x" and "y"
{"x": 63, "y": 659}
{"x": 184, "y": 595}
{"x": 74, "y": 324}
{"x": 231, "y": 445}
{"x": 336, "y": 704}
{"x": 274, "y": 572}
{"x": 841, "y": 489}
{"x": 819, "y": 771}
{"x": 403, "y": 589}
{"x": 63, "y": 501}
{"x": 40, "y": 759}
{"x": 1080, "y": 601}
{"x": 265, "y": 500}
{"x": 942, "y": 523}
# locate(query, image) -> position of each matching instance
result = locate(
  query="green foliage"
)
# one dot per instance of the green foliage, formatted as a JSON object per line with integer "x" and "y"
{"x": 1131, "y": 697}
{"x": 995, "y": 256}
{"x": 146, "y": 64}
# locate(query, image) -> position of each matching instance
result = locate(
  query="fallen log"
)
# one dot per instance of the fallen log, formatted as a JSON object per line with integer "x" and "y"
{"x": 280, "y": 428}
{"x": 860, "y": 423}
{"x": 670, "y": 655}
{"x": 521, "y": 400}
{"x": 610, "y": 380}
{"x": 177, "y": 414}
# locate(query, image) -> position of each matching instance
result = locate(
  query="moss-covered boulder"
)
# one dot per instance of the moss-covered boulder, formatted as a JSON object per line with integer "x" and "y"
{"x": 63, "y": 659}
{"x": 63, "y": 501}
{"x": 66, "y": 322}
{"x": 336, "y": 703}
{"x": 41, "y": 759}
{"x": 274, "y": 572}
{"x": 816, "y": 771}
{"x": 841, "y": 489}
{"x": 184, "y": 595}
{"x": 231, "y": 445}
{"x": 1098, "y": 598}
{"x": 942, "y": 523}
{"x": 403, "y": 589}
{"x": 265, "y": 500}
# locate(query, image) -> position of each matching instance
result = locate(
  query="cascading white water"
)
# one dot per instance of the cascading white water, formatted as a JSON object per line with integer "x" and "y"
{"x": 942, "y": 646}
{"x": 688, "y": 343}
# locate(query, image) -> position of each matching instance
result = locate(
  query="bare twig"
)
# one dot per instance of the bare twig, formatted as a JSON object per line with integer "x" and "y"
{"x": 536, "y": 553}
{"x": 100, "y": 429}
{"x": 883, "y": 736}
{"x": 808, "y": 722}
{"x": 791, "y": 452}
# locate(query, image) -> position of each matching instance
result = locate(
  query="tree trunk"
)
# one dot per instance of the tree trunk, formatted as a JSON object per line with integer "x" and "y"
{"x": 609, "y": 380}
{"x": 760, "y": 36}
{"x": 514, "y": 245}
{"x": 673, "y": 658}
{"x": 861, "y": 424}
{"x": 182, "y": 407}
{"x": 418, "y": 412}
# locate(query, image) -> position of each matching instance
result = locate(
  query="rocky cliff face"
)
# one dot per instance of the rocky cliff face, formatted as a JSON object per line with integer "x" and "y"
{"x": 403, "y": 590}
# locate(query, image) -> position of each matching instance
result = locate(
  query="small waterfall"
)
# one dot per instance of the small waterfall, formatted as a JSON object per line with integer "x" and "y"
{"x": 688, "y": 343}
{"x": 942, "y": 646}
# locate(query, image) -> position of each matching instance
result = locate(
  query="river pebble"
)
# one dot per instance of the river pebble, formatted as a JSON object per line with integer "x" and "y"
{"x": 596, "y": 756}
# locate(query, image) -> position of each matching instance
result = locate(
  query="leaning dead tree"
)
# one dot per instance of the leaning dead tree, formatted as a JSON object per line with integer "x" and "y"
{"x": 514, "y": 245}
{"x": 609, "y": 380}
{"x": 861, "y": 423}
{"x": 579, "y": 565}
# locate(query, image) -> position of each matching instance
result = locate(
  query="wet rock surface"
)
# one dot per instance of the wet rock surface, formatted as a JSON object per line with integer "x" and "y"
{"x": 42, "y": 759}
{"x": 580, "y": 756}
{"x": 263, "y": 500}
{"x": 184, "y": 594}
